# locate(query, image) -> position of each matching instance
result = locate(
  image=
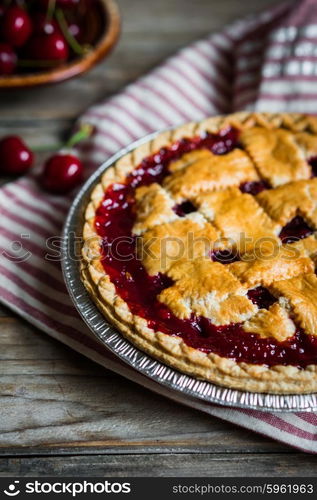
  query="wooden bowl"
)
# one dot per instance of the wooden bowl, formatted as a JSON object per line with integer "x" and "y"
{"x": 109, "y": 33}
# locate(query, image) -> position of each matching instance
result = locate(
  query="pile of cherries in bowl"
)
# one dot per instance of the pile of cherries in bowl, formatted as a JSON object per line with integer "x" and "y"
{"x": 37, "y": 35}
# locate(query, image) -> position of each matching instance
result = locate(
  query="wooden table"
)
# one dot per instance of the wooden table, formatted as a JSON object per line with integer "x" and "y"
{"x": 60, "y": 413}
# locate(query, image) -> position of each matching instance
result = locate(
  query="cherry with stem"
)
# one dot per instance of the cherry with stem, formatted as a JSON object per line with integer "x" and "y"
{"x": 63, "y": 171}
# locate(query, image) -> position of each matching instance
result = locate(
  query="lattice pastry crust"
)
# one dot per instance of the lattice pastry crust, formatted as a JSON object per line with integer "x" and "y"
{"x": 276, "y": 149}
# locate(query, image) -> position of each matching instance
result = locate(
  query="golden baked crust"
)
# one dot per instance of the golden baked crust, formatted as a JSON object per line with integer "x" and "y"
{"x": 208, "y": 289}
{"x": 288, "y": 261}
{"x": 211, "y": 289}
{"x": 295, "y": 198}
{"x": 185, "y": 238}
{"x": 200, "y": 173}
{"x": 272, "y": 322}
{"x": 299, "y": 295}
{"x": 227, "y": 210}
{"x": 153, "y": 206}
{"x": 276, "y": 154}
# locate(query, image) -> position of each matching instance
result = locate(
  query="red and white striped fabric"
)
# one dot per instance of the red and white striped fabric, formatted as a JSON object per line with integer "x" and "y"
{"x": 265, "y": 63}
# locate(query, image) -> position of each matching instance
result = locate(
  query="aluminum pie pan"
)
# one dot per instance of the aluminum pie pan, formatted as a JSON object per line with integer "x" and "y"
{"x": 134, "y": 357}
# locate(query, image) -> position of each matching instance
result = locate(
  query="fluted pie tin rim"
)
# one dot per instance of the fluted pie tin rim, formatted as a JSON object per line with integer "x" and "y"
{"x": 131, "y": 355}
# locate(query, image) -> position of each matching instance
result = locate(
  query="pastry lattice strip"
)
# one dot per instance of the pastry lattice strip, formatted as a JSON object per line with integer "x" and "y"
{"x": 162, "y": 199}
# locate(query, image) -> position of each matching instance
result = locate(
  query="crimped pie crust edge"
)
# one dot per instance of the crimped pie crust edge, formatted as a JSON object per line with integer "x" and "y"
{"x": 172, "y": 350}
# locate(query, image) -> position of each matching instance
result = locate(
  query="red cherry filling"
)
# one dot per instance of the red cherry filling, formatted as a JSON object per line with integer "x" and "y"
{"x": 184, "y": 208}
{"x": 221, "y": 143}
{"x": 313, "y": 163}
{"x": 261, "y": 297}
{"x": 232, "y": 342}
{"x": 114, "y": 221}
{"x": 295, "y": 230}
{"x": 254, "y": 188}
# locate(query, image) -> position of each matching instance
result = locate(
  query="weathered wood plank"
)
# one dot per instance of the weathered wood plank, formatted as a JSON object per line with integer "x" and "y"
{"x": 52, "y": 398}
{"x": 182, "y": 465}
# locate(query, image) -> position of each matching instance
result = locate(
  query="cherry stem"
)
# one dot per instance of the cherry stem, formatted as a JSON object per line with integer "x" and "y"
{"x": 50, "y": 10}
{"x": 84, "y": 132}
{"x": 74, "y": 45}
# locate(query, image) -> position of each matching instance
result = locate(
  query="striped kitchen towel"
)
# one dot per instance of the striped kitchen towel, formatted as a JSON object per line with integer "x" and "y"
{"x": 264, "y": 63}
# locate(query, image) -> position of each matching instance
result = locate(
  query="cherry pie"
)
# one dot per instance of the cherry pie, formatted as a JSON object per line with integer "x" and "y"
{"x": 200, "y": 247}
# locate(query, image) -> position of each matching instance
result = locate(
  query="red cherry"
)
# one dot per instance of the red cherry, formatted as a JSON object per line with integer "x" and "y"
{"x": 16, "y": 26}
{"x": 61, "y": 173}
{"x": 8, "y": 59}
{"x": 15, "y": 156}
{"x": 43, "y": 25}
{"x": 75, "y": 30}
{"x": 47, "y": 48}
